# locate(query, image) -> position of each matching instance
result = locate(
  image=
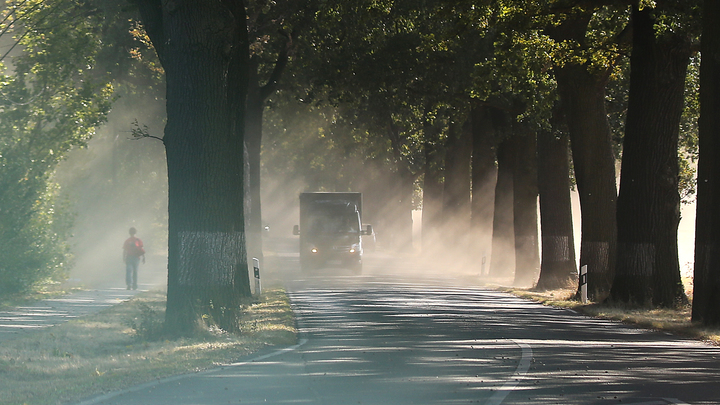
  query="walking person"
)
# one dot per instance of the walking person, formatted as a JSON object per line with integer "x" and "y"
{"x": 132, "y": 252}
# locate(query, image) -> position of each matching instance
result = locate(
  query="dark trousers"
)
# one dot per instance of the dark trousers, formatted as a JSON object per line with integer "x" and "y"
{"x": 131, "y": 269}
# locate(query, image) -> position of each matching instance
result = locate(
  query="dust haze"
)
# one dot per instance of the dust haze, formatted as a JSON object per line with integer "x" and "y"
{"x": 116, "y": 183}
{"x": 113, "y": 184}
{"x": 452, "y": 252}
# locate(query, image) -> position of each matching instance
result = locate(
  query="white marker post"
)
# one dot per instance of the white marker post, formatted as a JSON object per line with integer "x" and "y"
{"x": 583, "y": 284}
{"x": 256, "y": 269}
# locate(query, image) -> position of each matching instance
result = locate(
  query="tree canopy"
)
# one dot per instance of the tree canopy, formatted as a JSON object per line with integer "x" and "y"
{"x": 433, "y": 100}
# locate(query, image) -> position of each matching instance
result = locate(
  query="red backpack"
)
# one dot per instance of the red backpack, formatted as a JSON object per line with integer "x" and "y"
{"x": 135, "y": 249}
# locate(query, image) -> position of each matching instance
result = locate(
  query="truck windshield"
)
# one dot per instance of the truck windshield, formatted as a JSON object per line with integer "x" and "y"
{"x": 327, "y": 223}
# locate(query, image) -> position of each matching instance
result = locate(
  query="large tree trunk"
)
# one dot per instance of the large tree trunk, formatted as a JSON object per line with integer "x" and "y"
{"x": 648, "y": 208}
{"x": 583, "y": 97}
{"x": 582, "y": 94}
{"x": 525, "y": 194}
{"x": 706, "y": 297}
{"x": 502, "y": 262}
{"x": 484, "y": 178}
{"x": 558, "y": 267}
{"x": 432, "y": 214}
{"x": 203, "y": 47}
{"x": 399, "y": 211}
{"x": 456, "y": 191}
{"x": 256, "y": 96}
{"x": 253, "y": 143}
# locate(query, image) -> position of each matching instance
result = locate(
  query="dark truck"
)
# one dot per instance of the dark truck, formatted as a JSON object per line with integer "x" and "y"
{"x": 331, "y": 230}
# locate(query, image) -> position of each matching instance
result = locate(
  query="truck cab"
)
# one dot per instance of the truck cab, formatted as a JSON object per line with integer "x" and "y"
{"x": 330, "y": 231}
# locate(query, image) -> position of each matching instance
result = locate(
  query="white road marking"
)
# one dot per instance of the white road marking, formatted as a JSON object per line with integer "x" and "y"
{"x": 675, "y": 401}
{"x": 522, "y": 368}
{"x": 273, "y": 354}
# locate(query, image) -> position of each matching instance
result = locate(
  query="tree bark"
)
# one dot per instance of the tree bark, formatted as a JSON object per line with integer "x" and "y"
{"x": 582, "y": 94}
{"x": 203, "y": 48}
{"x": 558, "y": 267}
{"x": 583, "y": 97}
{"x": 484, "y": 178}
{"x": 432, "y": 213}
{"x": 399, "y": 211}
{"x": 456, "y": 191}
{"x": 257, "y": 94}
{"x": 502, "y": 261}
{"x": 706, "y": 297}
{"x": 253, "y": 143}
{"x": 525, "y": 194}
{"x": 648, "y": 208}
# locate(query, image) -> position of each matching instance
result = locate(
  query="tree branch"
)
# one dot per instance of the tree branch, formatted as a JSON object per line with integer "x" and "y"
{"x": 138, "y": 133}
{"x": 280, "y": 64}
{"x": 28, "y": 28}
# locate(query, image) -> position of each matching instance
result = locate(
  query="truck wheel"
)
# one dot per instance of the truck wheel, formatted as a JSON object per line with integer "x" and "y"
{"x": 356, "y": 268}
{"x": 307, "y": 267}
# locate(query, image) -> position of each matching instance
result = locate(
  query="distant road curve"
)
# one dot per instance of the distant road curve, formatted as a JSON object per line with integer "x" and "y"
{"x": 381, "y": 340}
{"x": 402, "y": 334}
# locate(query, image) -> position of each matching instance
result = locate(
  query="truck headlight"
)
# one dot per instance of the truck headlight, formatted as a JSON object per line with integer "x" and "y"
{"x": 314, "y": 250}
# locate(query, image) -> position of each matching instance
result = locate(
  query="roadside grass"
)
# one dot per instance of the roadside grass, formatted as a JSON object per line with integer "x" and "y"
{"x": 118, "y": 348}
{"x": 676, "y": 321}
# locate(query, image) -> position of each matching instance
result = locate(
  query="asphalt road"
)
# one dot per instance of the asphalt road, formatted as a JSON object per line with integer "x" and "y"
{"x": 50, "y": 312}
{"x": 386, "y": 338}
{"x": 16, "y": 321}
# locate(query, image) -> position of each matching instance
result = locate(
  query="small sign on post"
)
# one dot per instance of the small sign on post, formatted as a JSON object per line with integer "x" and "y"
{"x": 256, "y": 270}
{"x": 583, "y": 284}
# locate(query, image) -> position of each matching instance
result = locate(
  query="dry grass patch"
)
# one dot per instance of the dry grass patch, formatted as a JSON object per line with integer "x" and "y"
{"x": 111, "y": 350}
{"x": 671, "y": 320}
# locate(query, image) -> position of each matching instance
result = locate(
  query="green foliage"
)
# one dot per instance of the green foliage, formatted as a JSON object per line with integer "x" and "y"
{"x": 616, "y": 102}
{"x": 52, "y": 99}
{"x": 310, "y": 142}
{"x": 688, "y": 152}
{"x": 677, "y": 17}
{"x": 382, "y": 79}
{"x": 389, "y": 70}
{"x": 34, "y": 245}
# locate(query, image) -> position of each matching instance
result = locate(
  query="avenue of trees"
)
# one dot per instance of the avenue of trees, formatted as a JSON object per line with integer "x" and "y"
{"x": 473, "y": 110}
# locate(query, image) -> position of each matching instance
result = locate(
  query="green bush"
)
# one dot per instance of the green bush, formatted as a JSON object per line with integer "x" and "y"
{"x": 148, "y": 325}
{"x": 34, "y": 233}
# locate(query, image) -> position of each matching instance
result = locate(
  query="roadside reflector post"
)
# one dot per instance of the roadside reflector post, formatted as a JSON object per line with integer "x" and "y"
{"x": 583, "y": 284}
{"x": 256, "y": 270}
